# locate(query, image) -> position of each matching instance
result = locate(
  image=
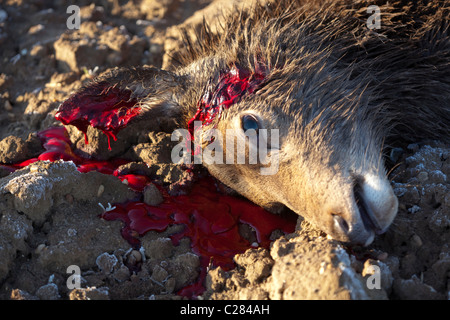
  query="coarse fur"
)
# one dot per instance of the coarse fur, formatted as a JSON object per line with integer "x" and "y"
{"x": 338, "y": 92}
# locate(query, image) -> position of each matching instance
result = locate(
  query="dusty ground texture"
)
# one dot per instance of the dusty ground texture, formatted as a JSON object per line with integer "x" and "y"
{"x": 47, "y": 222}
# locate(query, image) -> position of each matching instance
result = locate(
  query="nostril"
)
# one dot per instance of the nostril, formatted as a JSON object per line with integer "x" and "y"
{"x": 341, "y": 224}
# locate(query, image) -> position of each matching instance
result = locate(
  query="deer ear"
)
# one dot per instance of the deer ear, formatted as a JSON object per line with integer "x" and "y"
{"x": 119, "y": 96}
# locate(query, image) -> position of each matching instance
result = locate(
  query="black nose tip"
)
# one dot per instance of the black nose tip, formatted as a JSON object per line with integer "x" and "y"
{"x": 341, "y": 224}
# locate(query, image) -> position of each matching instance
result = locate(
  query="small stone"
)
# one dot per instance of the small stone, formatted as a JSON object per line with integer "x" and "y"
{"x": 100, "y": 190}
{"x": 13, "y": 149}
{"x": 122, "y": 274}
{"x": 160, "y": 248}
{"x": 169, "y": 285}
{"x": 152, "y": 196}
{"x": 36, "y": 29}
{"x": 159, "y": 274}
{"x": 437, "y": 176}
{"x": 18, "y": 294}
{"x": 414, "y": 289}
{"x": 48, "y": 292}
{"x": 422, "y": 176}
{"x": 442, "y": 267}
{"x": 416, "y": 241}
{"x": 8, "y": 106}
{"x": 134, "y": 257}
{"x": 382, "y": 256}
{"x": 3, "y": 16}
{"x": 71, "y": 232}
{"x": 91, "y": 293}
{"x": 38, "y": 51}
{"x": 414, "y": 209}
{"x": 257, "y": 264}
{"x": 137, "y": 255}
{"x": 69, "y": 198}
{"x": 39, "y": 248}
{"x": 106, "y": 262}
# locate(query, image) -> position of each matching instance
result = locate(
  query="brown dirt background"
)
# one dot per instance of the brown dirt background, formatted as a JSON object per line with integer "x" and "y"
{"x": 47, "y": 222}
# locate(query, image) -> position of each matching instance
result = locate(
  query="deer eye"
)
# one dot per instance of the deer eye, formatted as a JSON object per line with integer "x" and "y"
{"x": 250, "y": 122}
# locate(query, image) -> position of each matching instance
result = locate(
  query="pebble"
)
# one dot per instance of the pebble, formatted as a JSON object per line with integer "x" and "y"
{"x": 122, "y": 274}
{"x": 18, "y": 294}
{"x": 169, "y": 285}
{"x": 152, "y": 196}
{"x": 160, "y": 248}
{"x": 69, "y": 198}
{"x": 134, "y": 233}
{"x": 90, "y": 293}
{"x": 100, "y": 190}
{"x": 106, "y": 262}
{"x": 134, "y": 257}
{"x": 437, "y": 176}
{"x": 48, "y": 292}
{"x": 159, "y": 274}
{"x": 39, "y": 248}
{"x": 382, "y": 256}
{"x": 414, "y": 209}
{"x": 422, "y": 176}
{"x": 3, "y": 16}
{"x": 414, "y": 289}
{"x": 35, "y": 29}
{"x": 416, "y": 241}
{"x": 8, "y": 106}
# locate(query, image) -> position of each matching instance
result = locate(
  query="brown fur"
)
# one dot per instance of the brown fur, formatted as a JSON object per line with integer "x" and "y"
{"x": 337, "y": 92}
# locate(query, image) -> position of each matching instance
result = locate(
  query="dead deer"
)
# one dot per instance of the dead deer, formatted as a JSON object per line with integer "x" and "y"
{"x": 337, "y": 91}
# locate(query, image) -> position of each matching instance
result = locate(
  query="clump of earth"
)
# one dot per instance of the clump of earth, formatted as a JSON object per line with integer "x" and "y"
{"x": 50, "y": 212}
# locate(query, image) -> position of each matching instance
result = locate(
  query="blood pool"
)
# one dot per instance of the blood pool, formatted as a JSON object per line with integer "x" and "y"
{"x": 210, "y": 218}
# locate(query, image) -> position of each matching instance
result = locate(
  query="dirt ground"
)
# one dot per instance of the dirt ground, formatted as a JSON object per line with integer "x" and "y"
{"x": 49, "y": 211}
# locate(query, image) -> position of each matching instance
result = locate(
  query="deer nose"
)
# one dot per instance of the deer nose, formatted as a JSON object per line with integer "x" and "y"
{"x": 370, "y": 211}
{"x": 349, "y": 228}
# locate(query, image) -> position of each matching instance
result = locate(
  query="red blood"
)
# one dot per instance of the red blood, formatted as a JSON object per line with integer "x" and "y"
{"x": 56, "y": 144}
{"x": 134, "y": 181}
{"x": 102, "y": 106}
{"x": 211, "y": 219}
{"x": 232, "y": 86}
